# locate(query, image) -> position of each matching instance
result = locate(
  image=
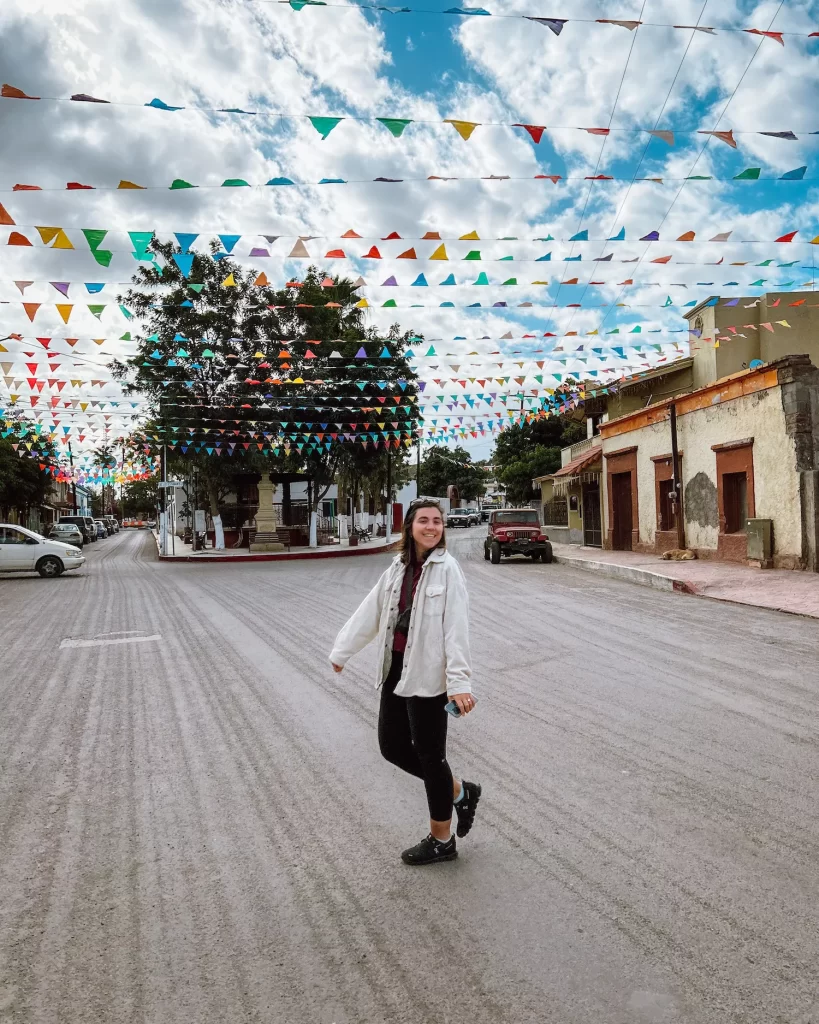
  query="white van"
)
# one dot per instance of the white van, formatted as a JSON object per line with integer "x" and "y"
{"x": 23, "y": 550}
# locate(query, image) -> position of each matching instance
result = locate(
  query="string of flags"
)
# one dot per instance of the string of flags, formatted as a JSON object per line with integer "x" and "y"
{"x": 56, "y": 237}
{"x": 555, "y": 25}
{"x": 396, "y": 126}
{"x": 770, "y": 285}
{"x": 66, "y": 309}
{"x": 184, "y": 261}
{"x": 140, "y": 240}
{"x": 180, "y": 184}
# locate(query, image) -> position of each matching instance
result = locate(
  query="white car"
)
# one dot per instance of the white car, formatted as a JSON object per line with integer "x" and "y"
{"x": 23, "y": 550}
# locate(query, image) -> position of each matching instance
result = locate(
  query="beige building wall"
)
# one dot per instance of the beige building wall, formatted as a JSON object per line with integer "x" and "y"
{"x": 776, "y": 483}
{"x": 712, "y": 363}
{"x": 654, "y": 387}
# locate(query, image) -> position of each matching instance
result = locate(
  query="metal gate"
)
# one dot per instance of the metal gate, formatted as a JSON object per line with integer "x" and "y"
{"x": 592, "y": 523}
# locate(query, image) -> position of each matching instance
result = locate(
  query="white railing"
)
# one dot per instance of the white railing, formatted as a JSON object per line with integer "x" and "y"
{"x": 568, "y": 455}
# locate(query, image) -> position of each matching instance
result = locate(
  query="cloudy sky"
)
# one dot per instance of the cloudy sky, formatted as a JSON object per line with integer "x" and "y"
{"x": 266, "y": 57}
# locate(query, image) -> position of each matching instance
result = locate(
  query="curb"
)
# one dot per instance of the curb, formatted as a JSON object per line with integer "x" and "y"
{"x": 646, "y": 578}
{"x": 282, "y": 556}
{"x": 642, "y": 577}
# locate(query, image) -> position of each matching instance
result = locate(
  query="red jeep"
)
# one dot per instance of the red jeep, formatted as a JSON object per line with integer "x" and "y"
{"x": 516, "y": 531}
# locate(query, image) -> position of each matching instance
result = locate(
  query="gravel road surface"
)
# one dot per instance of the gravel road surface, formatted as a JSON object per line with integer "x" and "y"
{"x": 196, "y": 826}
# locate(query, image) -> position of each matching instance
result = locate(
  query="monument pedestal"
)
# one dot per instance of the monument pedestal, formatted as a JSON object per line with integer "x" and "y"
{"x": 267, "y": 520}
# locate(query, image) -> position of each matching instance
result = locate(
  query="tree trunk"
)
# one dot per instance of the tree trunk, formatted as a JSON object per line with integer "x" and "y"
{"x": 219, "y": 533}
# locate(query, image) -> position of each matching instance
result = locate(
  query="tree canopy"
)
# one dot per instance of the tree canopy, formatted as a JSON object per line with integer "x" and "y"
{"x": 22, "y": 483}
{"x": 527, "y": 450}
{"x": 444, "y": 467}
{"x": 243, "y": 378}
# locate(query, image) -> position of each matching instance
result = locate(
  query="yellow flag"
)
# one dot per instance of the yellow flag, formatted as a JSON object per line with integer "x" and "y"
{"x": 463, "y": 128}
{"x": 229, "y": 282}
{"x": 440, "y": 253}
{"x": 57, "y": 236}
{"x": 471, "y": 237}
{"x": 63, "y": 309}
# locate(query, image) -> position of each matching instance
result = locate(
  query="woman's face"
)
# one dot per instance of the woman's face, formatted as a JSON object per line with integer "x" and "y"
{"x": 427, "y": 529}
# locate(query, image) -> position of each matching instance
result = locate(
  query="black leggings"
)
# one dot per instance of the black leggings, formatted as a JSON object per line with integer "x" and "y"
{"x": 412, "y": 735}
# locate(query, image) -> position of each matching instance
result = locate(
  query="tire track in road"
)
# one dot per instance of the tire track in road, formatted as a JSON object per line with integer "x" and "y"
{"x": 202, "y": 829}
{"x": 326, "y": 895}
{"x": 591, "y": 846}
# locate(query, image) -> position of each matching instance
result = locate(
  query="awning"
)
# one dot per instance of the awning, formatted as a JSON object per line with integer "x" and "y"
{"x": 586, "y": 468}
{"x": 581, "y": 462}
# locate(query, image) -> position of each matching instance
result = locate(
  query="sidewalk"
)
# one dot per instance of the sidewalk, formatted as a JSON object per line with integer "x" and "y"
{"x": 185, "y": 553}
{"x": 778, "y": 589}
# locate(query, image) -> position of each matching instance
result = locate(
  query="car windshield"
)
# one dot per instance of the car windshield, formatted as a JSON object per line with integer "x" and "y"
{"x": 526, "y": 516}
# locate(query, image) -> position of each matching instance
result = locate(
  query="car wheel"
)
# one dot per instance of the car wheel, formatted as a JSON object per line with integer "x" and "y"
{"x": 485, "y": 553}
{"x": 49, "y": 567}
{"x": 546, "y": 554}
{"x": 494, "y": 552}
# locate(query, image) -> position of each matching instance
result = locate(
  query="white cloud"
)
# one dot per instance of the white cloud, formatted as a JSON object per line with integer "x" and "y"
{"x": 267, "y": 57}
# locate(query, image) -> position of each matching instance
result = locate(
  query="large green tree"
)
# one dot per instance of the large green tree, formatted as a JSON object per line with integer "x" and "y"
{"x": 527, "y": 450}
{"x": 245, "y": 378}
{"x": 445, "y": 467}
{"x": 23, "y": 485}
{"x": 139, "y": 499}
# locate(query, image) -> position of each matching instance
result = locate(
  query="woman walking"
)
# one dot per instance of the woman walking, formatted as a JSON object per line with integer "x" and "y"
{"x": 418, "y": 610}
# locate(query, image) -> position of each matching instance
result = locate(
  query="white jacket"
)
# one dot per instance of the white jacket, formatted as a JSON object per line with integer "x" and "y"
{"x": 437, "y": 656}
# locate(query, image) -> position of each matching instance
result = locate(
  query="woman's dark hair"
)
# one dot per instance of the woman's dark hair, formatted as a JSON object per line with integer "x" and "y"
{"x": 407, "y": 543}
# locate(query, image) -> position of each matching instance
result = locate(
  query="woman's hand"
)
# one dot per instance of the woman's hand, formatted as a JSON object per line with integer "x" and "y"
{"x": 465, "y": 702}
{"x": 337, "y": 668}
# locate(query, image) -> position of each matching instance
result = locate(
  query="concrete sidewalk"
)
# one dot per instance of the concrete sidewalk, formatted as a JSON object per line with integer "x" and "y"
{"x": 778, "y": 589}
{"x": 185, "y": 553}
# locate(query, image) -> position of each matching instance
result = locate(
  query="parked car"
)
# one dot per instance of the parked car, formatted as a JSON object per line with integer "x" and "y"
{"x": 516, "y": 531}
{"x": 474, "y": 515}
{"x": 458, "y": 517}
{"x": 102, "y": 529}
{"x": 67, "y": 532}
{"x": 86, "y": 525}
{"x": 113, "y": 525}
{"x": 23, "y": 550}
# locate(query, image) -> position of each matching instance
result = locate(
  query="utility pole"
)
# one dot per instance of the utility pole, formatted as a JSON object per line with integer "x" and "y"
{"x": 163, "y": 516}
{"x": 388, "y": 530}
{"x": 73, "y": 478}
{"x": 418, "y": 470}
{"x": 677, "y": 479}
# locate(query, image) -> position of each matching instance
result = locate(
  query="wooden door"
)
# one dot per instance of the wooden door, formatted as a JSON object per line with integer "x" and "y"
{"x": 621, "y": 508}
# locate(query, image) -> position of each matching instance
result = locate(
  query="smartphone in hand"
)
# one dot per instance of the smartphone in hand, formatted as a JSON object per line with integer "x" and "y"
{"x": 453, "y": 709}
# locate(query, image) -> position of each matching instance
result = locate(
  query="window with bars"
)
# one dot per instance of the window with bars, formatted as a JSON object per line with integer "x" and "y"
{"x": 556, "y": 512}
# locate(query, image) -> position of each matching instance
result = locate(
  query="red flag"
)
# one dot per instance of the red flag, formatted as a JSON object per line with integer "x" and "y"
{"x": 535, "y": 130}
{"x": 771, "y": 35}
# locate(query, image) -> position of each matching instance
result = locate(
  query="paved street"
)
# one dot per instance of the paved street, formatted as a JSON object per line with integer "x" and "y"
{"x": 196, "y": 825}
